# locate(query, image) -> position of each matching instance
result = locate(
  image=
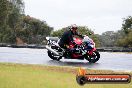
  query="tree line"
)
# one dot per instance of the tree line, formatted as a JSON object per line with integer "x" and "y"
{"x": 15, "y": 24}
{"x": 120, "y": 38}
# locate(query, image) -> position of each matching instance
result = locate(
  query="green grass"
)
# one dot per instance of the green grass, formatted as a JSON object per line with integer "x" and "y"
{"x": 36, "y": 76}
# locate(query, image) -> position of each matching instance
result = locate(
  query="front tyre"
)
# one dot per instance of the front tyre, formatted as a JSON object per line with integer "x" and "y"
{"x": 94, "y": 57}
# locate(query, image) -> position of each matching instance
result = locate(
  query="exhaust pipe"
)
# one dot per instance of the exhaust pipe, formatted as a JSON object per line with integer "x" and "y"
{"x": 50, "y": 49}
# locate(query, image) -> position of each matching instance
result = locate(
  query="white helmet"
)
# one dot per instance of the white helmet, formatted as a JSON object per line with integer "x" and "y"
{"x": 73, "y": 27}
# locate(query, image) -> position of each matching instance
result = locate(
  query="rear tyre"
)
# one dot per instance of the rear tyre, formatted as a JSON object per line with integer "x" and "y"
{"x": 53, "y": 56}
{"x": 94, "y": 57}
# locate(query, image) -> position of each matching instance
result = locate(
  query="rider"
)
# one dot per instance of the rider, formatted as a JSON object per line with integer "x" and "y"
{"x": 67, "y": 37}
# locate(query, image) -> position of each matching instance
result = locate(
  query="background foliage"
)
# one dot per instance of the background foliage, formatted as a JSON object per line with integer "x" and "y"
{"x": 15, "y": 24}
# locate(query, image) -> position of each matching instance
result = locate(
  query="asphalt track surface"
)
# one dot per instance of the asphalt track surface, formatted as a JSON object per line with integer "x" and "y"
{"x": 109, "y": 61}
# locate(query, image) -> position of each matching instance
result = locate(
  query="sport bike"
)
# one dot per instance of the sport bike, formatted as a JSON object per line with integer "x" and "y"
{"x": 82, "y": 48}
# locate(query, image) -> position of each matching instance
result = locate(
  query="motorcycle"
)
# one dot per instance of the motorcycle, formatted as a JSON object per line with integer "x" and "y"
{"x": 81, "y": 49}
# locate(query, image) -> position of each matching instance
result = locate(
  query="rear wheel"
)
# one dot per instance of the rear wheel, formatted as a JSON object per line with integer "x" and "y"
{"x": 53, "y": 56}
{"x": 94, "y": 57}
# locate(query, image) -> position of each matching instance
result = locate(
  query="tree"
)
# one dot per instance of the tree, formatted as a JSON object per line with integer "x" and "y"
{"x": 15, "y": 24}
{"x": 3, "y": 14}
{"x": 127, "y": 24}
{"x": 34, "y": 30}
{"x": 81, "y": 29}
{"x": 108, "y": 39}
{"x": 10, "y": 16}
{"x": 126, "y": 39}
{"x": 59, "y": 32}
{"x": 15, "y": 16}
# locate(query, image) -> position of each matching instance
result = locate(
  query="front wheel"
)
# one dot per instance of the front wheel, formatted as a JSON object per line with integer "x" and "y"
{"x": 94, "y": 57}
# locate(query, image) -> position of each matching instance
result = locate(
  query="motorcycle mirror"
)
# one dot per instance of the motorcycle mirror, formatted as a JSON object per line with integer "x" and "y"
{"x": 47, "y": 38}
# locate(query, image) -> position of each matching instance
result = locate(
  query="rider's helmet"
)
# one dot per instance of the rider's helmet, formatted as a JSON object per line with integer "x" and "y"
{"x": 73, "y": 27}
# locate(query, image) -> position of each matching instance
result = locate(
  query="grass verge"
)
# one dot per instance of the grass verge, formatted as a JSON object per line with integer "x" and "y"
{"x": 37, "y": 76}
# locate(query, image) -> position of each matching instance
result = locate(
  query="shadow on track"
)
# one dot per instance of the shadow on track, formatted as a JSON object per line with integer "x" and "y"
{"x": 75, "y": 64}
